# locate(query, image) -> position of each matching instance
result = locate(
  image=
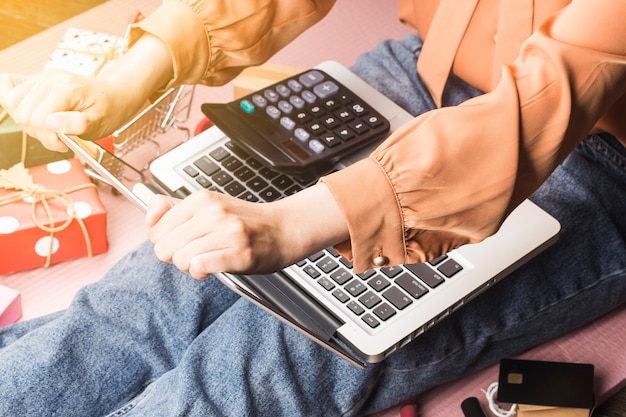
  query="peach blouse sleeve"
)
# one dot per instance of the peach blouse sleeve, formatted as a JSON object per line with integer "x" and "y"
{"x": 211, "y": 42}
{"x": 450, "y": 176}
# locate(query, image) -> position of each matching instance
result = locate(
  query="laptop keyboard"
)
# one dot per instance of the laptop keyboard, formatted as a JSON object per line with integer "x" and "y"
{"x": 376, "y": 295}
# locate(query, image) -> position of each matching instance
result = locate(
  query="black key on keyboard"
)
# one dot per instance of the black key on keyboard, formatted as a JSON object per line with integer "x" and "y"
{"x": 426, "y": 274}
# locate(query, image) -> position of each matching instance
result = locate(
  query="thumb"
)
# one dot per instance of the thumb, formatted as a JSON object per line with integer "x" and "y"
{"x": 71, "y": 122}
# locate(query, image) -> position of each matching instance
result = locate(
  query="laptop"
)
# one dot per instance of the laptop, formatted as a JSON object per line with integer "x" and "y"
{"x": 363, "y": 318}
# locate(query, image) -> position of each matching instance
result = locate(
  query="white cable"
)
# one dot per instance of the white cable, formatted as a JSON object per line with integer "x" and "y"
{"x": 494, "y": 406}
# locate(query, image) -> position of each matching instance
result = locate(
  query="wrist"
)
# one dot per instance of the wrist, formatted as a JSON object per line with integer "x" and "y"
{"x": 140, "y": 72}
{"x": 310, "y": 221}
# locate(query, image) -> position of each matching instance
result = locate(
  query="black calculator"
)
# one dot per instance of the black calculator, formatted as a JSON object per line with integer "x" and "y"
{"x": 301, "y": 126}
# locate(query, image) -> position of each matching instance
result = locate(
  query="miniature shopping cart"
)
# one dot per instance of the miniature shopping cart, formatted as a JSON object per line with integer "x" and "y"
{"x": 146, "y": 136}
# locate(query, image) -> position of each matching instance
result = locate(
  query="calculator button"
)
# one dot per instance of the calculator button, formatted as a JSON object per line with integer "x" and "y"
{"x": 331, "y": 122}
{"x": 359, "y": 127}
{"x": 282, "y": 90}
{"x": 285, "y": 107}
{"x": 309, "y": 97}
{"x": 331, "y": 140}
{"x": 273, "y": 112}
{"x": 325, "y": 89}
{"x": 302, "y": 117}
{"x": 301, "y": 134}
{"x": 295, "y": 86}
{"x": 297, "y": 102}
{"x": 316, "y": 110}
{"x": 344, "y": 115}
{"x": 315, "y": 127}
{"x": 259, "y": 100}
{"x": 373, "y": 121}
{"x": 247, "y": 106}
{"x": 358, "y": 109}
{"x": 287, "y": 123}
{"x": 271, "y": 95}
{"x": 316, "y": 146}
{"x": 311, "y": 78}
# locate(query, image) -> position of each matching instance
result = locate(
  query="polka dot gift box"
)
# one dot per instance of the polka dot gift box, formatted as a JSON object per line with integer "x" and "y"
{"x": 49, "y": 214}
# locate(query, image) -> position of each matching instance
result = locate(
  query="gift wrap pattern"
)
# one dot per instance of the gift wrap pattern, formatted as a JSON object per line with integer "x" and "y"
{"x": 85, "y": 52}
{"x": 62, "y": 218}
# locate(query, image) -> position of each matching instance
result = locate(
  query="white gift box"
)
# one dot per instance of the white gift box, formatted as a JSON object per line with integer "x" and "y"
{"x": 85, "y": 52}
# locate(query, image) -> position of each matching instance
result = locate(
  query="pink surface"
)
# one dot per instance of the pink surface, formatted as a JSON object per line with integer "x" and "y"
{"x": 10, "y": 306}
{"x": 352, "y": 27}
{"x": 600, "y": 343}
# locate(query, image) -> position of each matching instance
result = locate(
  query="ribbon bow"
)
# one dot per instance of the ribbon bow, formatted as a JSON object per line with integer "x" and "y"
{"x": 18, "y": 178}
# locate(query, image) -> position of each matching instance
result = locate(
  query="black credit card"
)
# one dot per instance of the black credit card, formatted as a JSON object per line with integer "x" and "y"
{"x": 554, "y": 384}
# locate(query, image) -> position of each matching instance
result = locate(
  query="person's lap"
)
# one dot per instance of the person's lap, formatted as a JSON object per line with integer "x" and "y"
{"x": 201, "y": 350}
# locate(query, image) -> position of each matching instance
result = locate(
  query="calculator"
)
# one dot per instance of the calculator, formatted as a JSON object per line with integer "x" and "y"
{"x": 301, "y": 126}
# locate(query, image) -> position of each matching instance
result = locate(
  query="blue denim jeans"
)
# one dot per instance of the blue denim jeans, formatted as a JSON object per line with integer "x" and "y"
{"x": 147, "y": 340}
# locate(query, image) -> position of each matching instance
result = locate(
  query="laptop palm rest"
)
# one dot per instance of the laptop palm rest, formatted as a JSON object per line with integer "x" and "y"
{"x": 280, "y": 294}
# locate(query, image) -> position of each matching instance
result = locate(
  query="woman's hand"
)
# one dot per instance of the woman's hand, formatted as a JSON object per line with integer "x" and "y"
{"x": 57, "y": 101}
{"x": 210, "y": 232}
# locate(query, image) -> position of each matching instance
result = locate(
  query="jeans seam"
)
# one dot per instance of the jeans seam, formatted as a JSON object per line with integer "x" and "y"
{"x": 133, "y": 403}
{"x": 607, "y": 151}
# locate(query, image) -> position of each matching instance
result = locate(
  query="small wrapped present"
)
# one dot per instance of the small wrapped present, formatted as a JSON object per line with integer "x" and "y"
{"x": 10, "y": 306}
{"x": 49, "y": 214}
{"x": 85, "y": 52}
{"x": 16, "y": 146}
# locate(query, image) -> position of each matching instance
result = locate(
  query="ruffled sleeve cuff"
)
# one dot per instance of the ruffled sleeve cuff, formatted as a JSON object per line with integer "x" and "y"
{"x": 376, "y": 236}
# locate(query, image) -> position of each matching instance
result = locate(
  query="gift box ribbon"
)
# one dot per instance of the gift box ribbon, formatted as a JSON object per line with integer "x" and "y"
{"x": 18, "y": 178}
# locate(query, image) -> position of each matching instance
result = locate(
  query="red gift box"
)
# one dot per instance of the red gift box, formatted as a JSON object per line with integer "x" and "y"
{"x": 49, "y": 214}
{"x": 10, "y": 306}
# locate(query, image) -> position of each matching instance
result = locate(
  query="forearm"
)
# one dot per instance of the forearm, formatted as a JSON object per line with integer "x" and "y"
{"x": 140, "y": 72}
{"x": 211, "y": 42}
{"x": 309, "y": 221}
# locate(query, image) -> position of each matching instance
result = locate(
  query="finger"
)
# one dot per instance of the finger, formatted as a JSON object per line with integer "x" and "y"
{"x": 70, "y": 122}
{"x": 157, "y": 207}
{"x": 7, "y": 85}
